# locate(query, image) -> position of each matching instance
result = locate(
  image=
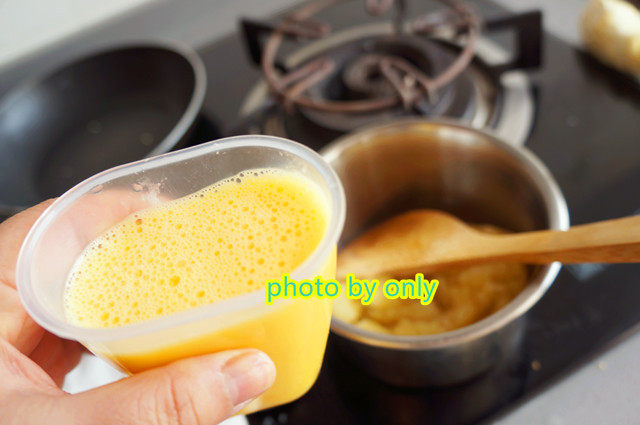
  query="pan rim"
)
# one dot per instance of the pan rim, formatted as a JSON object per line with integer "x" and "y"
{"x": 178, "y": 130}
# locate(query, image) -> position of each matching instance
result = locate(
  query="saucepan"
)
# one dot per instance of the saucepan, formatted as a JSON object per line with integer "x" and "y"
{"x": 112, "y": 107}
{"x": 473, "y": 174}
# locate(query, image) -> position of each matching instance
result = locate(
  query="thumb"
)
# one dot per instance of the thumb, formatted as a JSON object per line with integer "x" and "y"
{"x": 197, "y": 391}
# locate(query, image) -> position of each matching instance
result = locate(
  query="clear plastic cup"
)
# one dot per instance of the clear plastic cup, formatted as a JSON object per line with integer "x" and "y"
{"x": 292, "y": 332}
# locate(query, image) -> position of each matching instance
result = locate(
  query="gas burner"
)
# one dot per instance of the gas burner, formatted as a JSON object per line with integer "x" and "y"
{"x": 434, "y": 66}
{"x": 408, "y": 83}
{"x": 357, "y": 76}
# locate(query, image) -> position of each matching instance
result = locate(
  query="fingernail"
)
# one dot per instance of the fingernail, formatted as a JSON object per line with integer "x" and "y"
{"x": 248, "y": 375}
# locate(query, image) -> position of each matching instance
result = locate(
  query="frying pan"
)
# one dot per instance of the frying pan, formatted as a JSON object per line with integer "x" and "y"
{"x": 112, "y": 107}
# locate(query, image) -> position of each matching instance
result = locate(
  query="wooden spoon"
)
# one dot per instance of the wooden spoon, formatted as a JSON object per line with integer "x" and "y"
{"x": 429, "y": 240}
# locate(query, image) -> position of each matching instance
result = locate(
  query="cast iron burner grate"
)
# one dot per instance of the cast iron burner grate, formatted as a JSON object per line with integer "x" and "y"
{"x": 430, "y": 66}
{"x": 358, "y": 77}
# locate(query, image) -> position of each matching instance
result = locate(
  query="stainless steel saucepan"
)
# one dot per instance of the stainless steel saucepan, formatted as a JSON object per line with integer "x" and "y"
{"x": 472, "y": 174}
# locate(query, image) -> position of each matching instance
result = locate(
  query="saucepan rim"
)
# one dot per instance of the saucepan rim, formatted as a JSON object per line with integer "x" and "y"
{"x": 556, "y": 212}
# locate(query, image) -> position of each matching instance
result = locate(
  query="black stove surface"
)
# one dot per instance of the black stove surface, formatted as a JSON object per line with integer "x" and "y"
{"x": 587, "y": 131}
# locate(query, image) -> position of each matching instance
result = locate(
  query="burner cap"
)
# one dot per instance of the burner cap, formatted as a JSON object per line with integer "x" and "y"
{"x": 357, "y": 76}
{"x": 362, "y": 77}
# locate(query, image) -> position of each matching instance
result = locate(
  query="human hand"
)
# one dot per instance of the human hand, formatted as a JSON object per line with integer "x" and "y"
{"x": 201, "y": 390}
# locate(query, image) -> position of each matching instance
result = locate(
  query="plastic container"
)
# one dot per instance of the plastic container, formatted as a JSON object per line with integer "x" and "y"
{"x": 292, "y": 332}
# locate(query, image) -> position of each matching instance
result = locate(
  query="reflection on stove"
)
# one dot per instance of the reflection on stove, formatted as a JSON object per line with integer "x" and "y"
{"x": 345, "y": 395}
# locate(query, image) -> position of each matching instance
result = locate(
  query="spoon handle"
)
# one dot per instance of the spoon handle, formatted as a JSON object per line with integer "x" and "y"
{"x": 610, "y": 241}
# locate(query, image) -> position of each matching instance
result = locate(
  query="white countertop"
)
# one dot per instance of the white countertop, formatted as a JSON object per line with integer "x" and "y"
{"x": 27, "y": 26}
{"x": 30, "y": 26}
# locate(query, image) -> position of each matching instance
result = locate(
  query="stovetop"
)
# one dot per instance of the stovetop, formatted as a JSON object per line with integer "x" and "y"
{"x": 587, "y": 131}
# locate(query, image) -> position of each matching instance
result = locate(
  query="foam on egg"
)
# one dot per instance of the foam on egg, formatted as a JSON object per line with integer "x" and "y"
{"x": 225, "y": 240}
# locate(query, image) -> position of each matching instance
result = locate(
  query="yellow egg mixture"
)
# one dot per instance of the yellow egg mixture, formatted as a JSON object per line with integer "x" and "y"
{"x": 222, "y": 241}
{"x": 465, "y": 295}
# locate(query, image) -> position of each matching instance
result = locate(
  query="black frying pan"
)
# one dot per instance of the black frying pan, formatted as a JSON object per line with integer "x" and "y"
{"x": 111, "y": 108}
